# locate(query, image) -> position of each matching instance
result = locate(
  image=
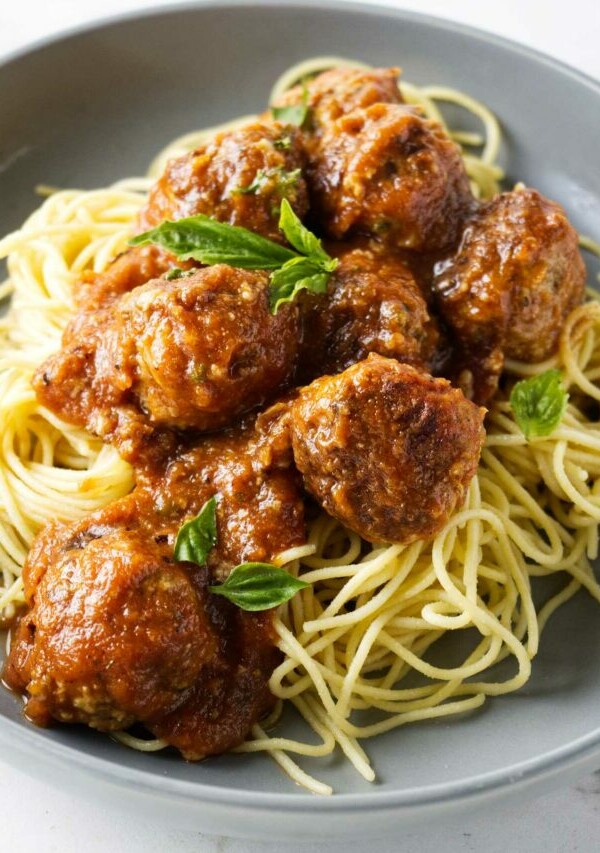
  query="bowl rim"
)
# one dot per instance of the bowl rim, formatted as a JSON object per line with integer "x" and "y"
{"x": 578, "y": 754}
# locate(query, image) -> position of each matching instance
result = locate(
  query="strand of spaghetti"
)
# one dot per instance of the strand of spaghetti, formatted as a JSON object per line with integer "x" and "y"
{"x": 394, "y": 578}
{"x": 589, "y": 507}
{"x": 319, "y": 750}
{"x": 491, "y": 147}
{"x": 292, "y": 769}
{"x": 141, "y": 744}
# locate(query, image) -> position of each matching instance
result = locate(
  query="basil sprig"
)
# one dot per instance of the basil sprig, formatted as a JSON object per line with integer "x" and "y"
{"x": 258, "y": 586}
{"x": 308, "y": 270}
{"x": 539, "y": 403}
{"x": 204, "y": 239}
{"x": 294, "y": 276}
{"x": 296, "y": 114}
{"x": 198, "y": 537}
{"x": 250, "y": 586}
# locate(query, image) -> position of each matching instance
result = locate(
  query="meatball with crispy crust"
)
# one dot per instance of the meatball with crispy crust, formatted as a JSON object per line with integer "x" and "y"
{"x": 192, "y": 353}
{"x": 116, "y": 631}
{"x": 68, "y": 382}
{"x": 507, "y": 290}
{"x": 232, "y": 692}
{"x": 119, "y": 633}
{"x": 373, "y": 304}
{"x": 205, "y": 348}
{"x": 239, "y": 177}
{"x": 385, "y": 449}
{"x": 386, "y": 170}
{"x": 340, "y": 91}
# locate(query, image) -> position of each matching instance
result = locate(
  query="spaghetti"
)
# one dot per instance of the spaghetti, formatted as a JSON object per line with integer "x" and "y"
{"x": 356, "y": 641}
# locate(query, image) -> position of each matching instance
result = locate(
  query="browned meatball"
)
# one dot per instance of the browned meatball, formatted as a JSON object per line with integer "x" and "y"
{"x": 193, "y": 353}
{"x": 117, "y": 632}
{"x": 206, "y": 347}
{"x": 340, "y": 91}
{"x": 388, "y": 171}
{"x": 516, "y": 275}
{"x": 373, "y": 304}
{"x": 232, "y": 692}
{"x": 239, "y": 177}
{"x": 260, "y": 512}
{"x": 385, "y": 449}
{"x": 67, "y": 382}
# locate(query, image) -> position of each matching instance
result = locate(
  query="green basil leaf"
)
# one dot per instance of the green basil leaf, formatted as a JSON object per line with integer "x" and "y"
{"x": 294, "y": 114}
{"x": 539, "y": 403}
{"x": 258, "y": 586}
{"x": 199, "y": 536}
{"x": 294, "y": 276}
{"x": 211, "y": 242}
{"x": 302, "y": 239}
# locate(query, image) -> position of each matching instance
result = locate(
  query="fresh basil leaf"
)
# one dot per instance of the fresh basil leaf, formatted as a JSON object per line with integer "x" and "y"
{"x": 302, "y": 239}
{"x": 198, "y": 537}
{"x": 211, "y": 242}
{"x": 258, "y": 586}
{"x": 294, "y": 276}
{"x": 296, "y": 114}
{"x": 539, "y": 403}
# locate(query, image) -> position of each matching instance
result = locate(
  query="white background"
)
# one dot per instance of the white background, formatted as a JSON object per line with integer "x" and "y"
{"x": 33, "y": 817}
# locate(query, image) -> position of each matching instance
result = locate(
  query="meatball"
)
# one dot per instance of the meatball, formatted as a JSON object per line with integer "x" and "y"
{"x": 260, "y": 507}
{"x": 387, "y": 171}
{"x": 385, "y": 449}
{"x": 340, "y": 91}
{"x": 192, "y": 353}
{"x": 240, "y": 177}
{"x": 205, "y": 348}
{"x": 373, "y": 304}
{"x": 116, "y": 632}
{"x": 66, "y": 383}
{"x": 515, "y": 277}
{"x": 232, "y": 692}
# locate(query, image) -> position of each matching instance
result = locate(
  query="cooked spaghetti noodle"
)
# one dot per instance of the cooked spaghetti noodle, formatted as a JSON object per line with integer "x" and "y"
{"x": 372, "y": 613}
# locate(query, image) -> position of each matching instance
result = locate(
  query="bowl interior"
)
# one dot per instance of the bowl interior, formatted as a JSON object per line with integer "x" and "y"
{"x": 96, "y": 106}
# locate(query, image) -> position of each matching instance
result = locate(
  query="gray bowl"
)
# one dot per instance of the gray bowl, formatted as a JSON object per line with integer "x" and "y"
{"x": 95, "y": 106}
